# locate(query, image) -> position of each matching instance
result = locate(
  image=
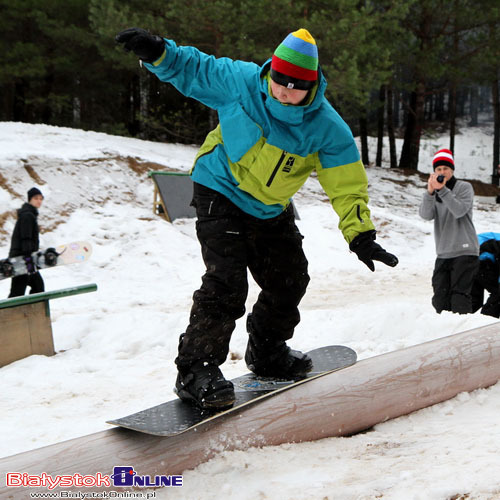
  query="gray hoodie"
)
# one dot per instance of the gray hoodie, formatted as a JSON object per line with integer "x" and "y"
{"x": 454, "y": 231}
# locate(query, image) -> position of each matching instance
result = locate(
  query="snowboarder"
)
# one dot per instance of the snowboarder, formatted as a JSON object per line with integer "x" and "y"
{"x": 449, "y": 202}
{"x": 25, "y": 241}
{"x": 488, "y": 276}
{"x": 275, "y": 128}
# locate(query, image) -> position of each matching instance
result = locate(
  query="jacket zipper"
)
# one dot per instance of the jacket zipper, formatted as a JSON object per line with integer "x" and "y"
{"x": 358, "y": 212}
{"x": 207, "y": 152}
{"x": 204, "y": 154}
{"x": 276, "y": 168}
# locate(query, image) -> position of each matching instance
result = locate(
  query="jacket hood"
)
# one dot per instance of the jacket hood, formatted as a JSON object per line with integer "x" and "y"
{"x": 27, "y": 208}
{"x": 293, "y": 115}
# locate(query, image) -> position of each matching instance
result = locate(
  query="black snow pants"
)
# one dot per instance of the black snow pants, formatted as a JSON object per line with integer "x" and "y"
{"x": 19, "y": 284}
{"x": 452, "y": 283}
{"x": 232, "y": 242}
{"x": 487, "y": 279}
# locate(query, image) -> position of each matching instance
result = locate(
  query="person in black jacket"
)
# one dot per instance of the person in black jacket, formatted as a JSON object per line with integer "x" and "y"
{"x": 488, "y": 276}
{"x": 25, "y": 241}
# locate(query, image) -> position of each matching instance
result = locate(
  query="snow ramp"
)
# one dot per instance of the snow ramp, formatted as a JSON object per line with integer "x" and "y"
{"x": 172, "y": 195}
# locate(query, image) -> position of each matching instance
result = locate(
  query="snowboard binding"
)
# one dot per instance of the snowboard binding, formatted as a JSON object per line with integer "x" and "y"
{"x": 49, "y": 258}
{"x": 6, "y": 268}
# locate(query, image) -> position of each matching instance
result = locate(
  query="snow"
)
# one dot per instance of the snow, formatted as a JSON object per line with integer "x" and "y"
{"x": 115, "y": 348}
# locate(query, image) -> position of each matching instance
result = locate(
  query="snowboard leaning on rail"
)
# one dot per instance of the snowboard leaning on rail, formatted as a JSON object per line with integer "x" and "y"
{"x": 70, "y": 253}
{"x": 176, "y": 416}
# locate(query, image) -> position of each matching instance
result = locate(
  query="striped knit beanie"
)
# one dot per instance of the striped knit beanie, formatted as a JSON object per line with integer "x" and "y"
{"x": 295, "y": 61}
{"x": 443, "y": 157}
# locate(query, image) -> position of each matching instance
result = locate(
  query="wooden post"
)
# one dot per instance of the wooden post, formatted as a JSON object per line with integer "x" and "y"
{"x": 26, "y": 330}
{"x": 26, "y": 326}
{"x": 159, "y": 207}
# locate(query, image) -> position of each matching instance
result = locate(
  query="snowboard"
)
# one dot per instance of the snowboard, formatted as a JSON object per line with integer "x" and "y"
{"x": 77, "y": 251}
{"x": 176, "y": 416}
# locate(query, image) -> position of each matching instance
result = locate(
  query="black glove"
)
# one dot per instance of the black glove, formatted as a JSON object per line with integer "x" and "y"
{"x": 50, "y": 256}
{"x": 143, "y": 44}
{"x": 364, "y": 246}
{"x": 30, "y": 264}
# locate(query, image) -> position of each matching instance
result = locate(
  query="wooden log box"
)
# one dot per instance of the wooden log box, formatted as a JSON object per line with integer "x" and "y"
{"x": 338, "y": 404}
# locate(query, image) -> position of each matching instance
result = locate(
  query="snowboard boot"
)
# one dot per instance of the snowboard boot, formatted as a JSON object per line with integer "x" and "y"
{"x": 204, "y": 385}
{"x": 268, "y": 358}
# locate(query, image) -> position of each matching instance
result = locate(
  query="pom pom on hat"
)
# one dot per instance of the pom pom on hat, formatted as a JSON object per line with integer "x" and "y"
{"x": 295, "y": 61}
{"x": 443, "y": 157}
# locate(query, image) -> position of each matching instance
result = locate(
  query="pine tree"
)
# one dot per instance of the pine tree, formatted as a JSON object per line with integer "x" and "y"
{"x": 443, "y": 48}
{"x": 357, "y": 52}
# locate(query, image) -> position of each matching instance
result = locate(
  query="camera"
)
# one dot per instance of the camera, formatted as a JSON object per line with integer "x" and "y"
{"x": 440, "y": 178}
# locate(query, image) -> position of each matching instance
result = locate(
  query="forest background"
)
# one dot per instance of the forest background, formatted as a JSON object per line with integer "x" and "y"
{"x": 395, "y": 68}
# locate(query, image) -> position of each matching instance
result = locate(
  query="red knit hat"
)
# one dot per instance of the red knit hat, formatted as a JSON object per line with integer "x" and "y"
{"x": 443, "y": 157}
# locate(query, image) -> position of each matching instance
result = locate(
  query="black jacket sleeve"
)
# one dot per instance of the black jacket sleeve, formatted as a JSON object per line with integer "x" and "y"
{"x": 27, "y": 224}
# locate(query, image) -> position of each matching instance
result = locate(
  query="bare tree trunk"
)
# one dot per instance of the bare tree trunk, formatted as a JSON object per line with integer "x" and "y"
{"x": 6, "y": 101}
{"x": 453, "y": 88}
{"x": 496, "y": 135}
{"x": 428, "y": 108}
{"x": 77, "y": 110}
{"x": 137, "y": 108}
{"x": 363, "y": 133}
{"x": 474, "y": 105}
{"x": 395, "y": 108}
{"x": 413, "y": 131}
{"x": 462, "y": 98}
{"x": 46, "y": 111}
{"x": 452, "y": 108}
{"x": 439, "y": 114}
{"x": 390, "y": 128}
{"x": 380, "y": 126}
{"x": 19, "y": 108}
{"x": 484, "y": 98}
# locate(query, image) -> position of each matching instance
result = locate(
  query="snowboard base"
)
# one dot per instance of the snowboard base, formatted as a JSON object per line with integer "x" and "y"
{"x": 176, "y": 416}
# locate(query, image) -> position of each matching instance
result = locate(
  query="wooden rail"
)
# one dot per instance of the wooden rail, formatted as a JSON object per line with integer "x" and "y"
{"x": 45, "y": 296}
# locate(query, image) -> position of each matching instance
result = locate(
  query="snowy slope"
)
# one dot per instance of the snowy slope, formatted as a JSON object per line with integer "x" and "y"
{"x": 116, "y": 347}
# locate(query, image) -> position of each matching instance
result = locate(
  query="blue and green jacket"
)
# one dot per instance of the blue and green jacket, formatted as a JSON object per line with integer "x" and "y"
{"x": 263, "y": 151}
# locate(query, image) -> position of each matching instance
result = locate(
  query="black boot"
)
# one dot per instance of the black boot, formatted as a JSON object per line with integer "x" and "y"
{"x": 270, "y": 358}
{"x": 204, "y": 385}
